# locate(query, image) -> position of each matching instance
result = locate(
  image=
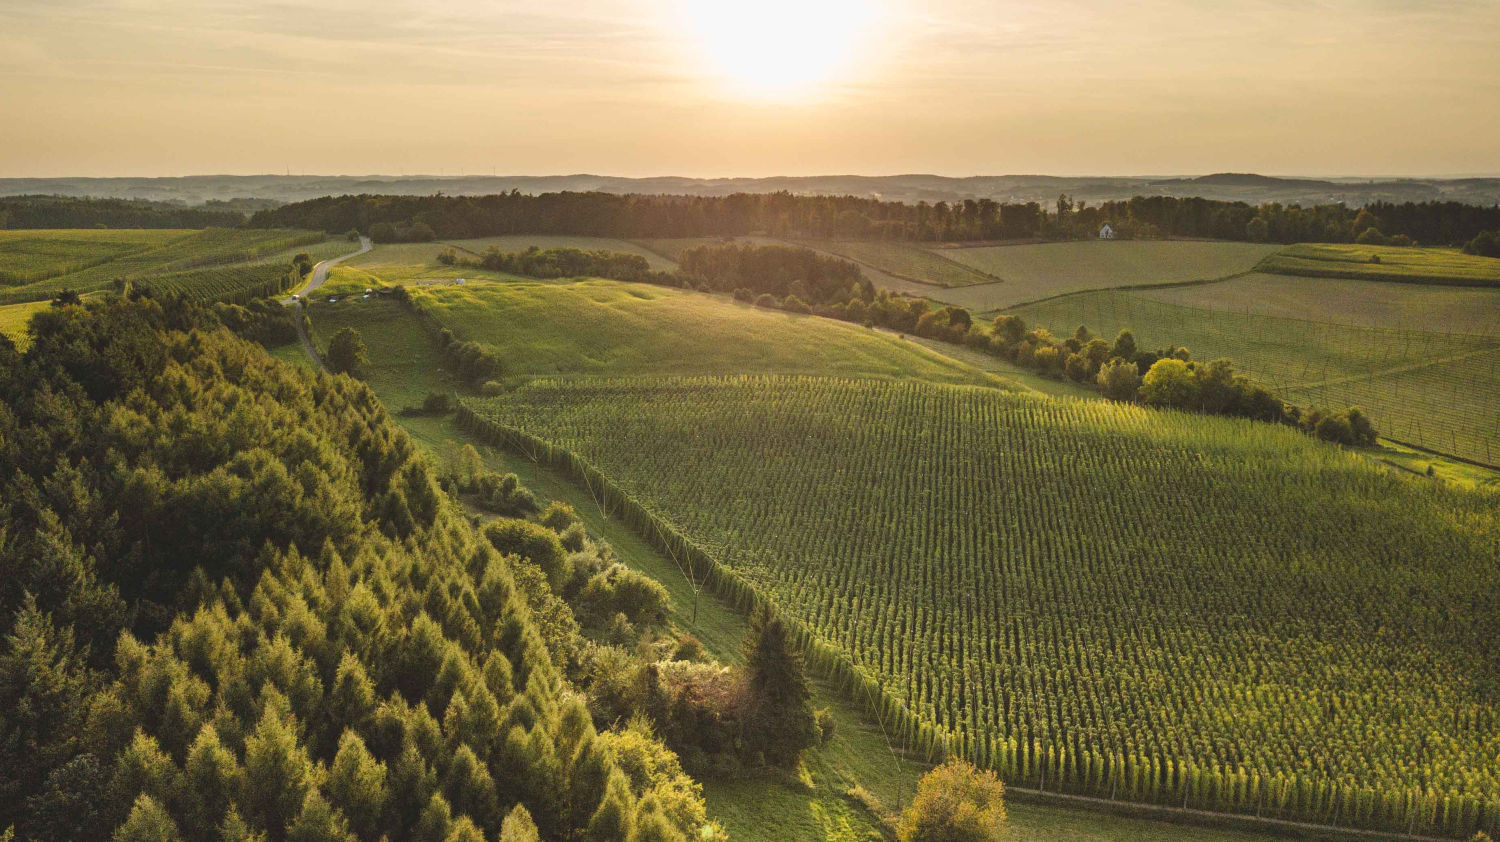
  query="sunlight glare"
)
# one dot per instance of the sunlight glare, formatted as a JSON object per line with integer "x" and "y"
{"x": 778, "y": 49}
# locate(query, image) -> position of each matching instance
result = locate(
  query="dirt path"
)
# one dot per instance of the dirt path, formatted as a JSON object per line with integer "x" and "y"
{"x": 318, "y": 278}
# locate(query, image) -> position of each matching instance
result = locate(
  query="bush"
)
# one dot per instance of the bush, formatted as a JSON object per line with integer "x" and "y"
{"x": 827, "y": 725}
{"x": 447, "y": 257}
{"x": 1119, "y": 380}
{"x": 793, "y": 304}
{"x": 955, "y": 803}
{"x": 533, "y": 542}
{"x": 437, "y": 403}
{"x": 766, "y": 300}
{"x": 346, "y": 353}
{"x": 1485, "y": 244}
{"x": 1170, "y": 383}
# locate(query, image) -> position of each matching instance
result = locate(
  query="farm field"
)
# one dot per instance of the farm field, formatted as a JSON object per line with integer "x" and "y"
{"x": 13, "y": 320}
{"x": 1411, "y": 265}
{"x": 1421, "y": 387}
{"x": 33, "y": 255}
{"x": 605, "y": 327}
{"x": 1053, "y": 615}
{"x": 1037, "y": 271}
{"x": 1444, "y": 309}
{"x": 213, "y": 261}
{"x": 907, "y": 261}
{"x": 405, "y": 366}
{"x": 671, "y": 248}
{"x": 413, "y": 263}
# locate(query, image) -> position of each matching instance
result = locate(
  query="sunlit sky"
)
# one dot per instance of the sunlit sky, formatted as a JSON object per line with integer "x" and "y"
{"x": 788, "y": 87}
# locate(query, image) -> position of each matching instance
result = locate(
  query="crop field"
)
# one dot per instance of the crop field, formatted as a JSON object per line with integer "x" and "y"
{"x": 1033, "y": 272}
{"x": 13, "y": 319}
{"x": 212, "y": 248}
{"x": 908, "y": 261}
{"x": 1409, "y": 265}
{"x": 1011, "y": 572}
{"x": 1421, "y": 387}
{"x": 607, "y": 327}
{"x": 1445, "y": 309}
{"x": 33, "y": 255}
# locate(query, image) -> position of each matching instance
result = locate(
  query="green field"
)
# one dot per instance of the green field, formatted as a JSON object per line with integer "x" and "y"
{"x": 405, "y": 366}
{"x": 606, "y": 327}
{"x": 1117, "y": 599}
{"x": 211, "y": 263}
{"x": 415, "y": 263}
{"x": 906, "y": 261}
{"x": 1033, "y": 272}
{"x": 1444, "y": 309}
{"x": 1409, "y": 265}
{"x": 1434, "y": 390}
{"x": 34, "y": 255}
{"x": 13, "y": 320}
{"x": 672, "y": 248}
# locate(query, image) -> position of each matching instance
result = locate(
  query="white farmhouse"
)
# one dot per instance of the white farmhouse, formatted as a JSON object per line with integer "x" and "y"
{"x": 1107, "y": 232}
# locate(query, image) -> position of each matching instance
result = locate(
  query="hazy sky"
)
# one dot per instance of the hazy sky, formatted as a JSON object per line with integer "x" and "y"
{"x": 683, "y": 87}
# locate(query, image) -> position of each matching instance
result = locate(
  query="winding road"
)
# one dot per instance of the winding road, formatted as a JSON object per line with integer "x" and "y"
{"x": 318, "y": 278}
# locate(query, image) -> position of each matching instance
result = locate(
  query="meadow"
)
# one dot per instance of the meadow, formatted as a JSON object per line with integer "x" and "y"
{"x": 210, "y": 263}
{"x": 415, "y": 263}
{"x": 1426, "y": 388}
{"x": 1446, "y": 309}
{"x": 907, "y": 261}
{"x": 33, "y": 255}
{"x": 606, "y": 327}
{"x": 1033, "y": 272}
{"x": 1058, "y": 615}
{"x": 1385, "y": 263}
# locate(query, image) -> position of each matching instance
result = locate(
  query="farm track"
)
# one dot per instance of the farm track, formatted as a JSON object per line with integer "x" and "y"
{"x": 319, "y": 277}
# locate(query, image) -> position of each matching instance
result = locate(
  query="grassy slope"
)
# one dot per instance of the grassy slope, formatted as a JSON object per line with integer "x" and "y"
{"x": 405, "y": 366}
{"x": 1033, "y": 272}
{"x": 605, "y": 327}
{"x": 1449, "y": 309}
{"x": 1412, "y": 265}
{"x": 1437, "y": 390}
{"x": 415, "y": 263}
{"x": 907, "y": 261}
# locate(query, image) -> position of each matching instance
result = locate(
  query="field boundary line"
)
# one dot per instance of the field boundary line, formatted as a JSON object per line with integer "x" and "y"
{"x": 1399, "y": 369}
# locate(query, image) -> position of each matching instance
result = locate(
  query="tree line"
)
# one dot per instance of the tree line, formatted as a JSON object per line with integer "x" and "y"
{"x": 69, "y": 212}
{"x": 850, "y": 217}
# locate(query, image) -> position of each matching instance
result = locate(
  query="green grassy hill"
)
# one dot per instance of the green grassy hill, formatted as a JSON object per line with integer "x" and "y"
{"x": 1385, "y": 263}
{"x": 606, "y": 327}
{"x": 1445, "y": 309}
{"x": 1033, "y": 272}
{"x": 1434, "y": 390}
{"x": 1121, "y": 599}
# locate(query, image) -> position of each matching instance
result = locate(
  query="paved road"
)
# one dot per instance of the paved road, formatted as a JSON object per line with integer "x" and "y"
{"x": 318, "y": 277}
{"x": 320, "y": 272}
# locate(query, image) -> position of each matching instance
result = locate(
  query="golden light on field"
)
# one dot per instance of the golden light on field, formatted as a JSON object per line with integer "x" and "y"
{"x": 778, "y": 49}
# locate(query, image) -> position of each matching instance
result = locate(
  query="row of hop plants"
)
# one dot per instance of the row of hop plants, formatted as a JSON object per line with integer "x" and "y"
{"x": 936, "y": 681}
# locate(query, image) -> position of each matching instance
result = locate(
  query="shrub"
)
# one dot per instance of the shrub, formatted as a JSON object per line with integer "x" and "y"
{"x": 766, "y": 300}
{"x": 1119, "y": 380}
{"x": 1484, "y": 244}
{"x": 793, "y": 304}
{"x": 533, "y": 542}
{"x": 346, "y": 353}
{"x": 955, "y": 803}
{"x": 1170, "y": 383}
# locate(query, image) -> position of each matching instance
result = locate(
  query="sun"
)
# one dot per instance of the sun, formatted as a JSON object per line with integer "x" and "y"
{"x": 778, "y": 49}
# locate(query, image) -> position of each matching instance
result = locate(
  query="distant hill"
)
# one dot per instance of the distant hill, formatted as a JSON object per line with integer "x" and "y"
{"x": 1248, "y": 187}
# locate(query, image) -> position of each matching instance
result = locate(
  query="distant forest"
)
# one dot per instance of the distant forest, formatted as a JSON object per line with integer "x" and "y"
{"x": 65, "y": 212}
{"x": 785, "y": 215}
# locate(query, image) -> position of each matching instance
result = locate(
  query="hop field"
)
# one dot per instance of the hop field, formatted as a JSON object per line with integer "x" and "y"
{"x": 1434, "y": 390}
{"x": 33, "y": 255}
{"x": 1087, "y": 596}
{"x": 211, "y": 248}
{"x": 907, "y": 261}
